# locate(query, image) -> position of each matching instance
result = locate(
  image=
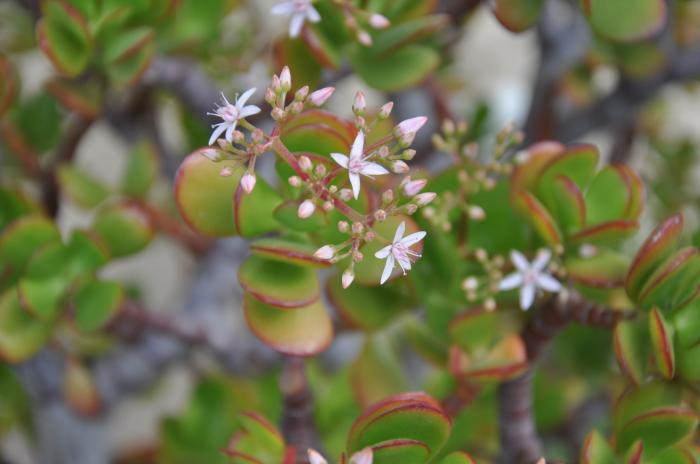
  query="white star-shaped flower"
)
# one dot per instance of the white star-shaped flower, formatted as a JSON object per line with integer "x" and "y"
{"x": 364, "y": 456}
{"x": 356, "y": 164}
{"x": 300, "y": 11}
{"x": 530, "y": 277}
{"x": 231, "y": 114}
{"x": 399, "y": 251}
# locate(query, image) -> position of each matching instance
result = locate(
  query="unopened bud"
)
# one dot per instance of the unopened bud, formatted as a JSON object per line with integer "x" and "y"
{"x": 278, "y": 114}
{"x": 385, "y": 110}
{"x": 305, "y": 163}
{"x": 258, "y": 135}
{"x": 328, "y": 206}
{"x": 345, "y": 194}
{"x": 477, "y": 213}
{"x": 399, "y": 167}
{"x": 320, "y": 170}
{"x": 411, "y": 208}
{"x": 348, "y": 277}
{"x": 357, "y": 228}
{"x": 212, "y": 154}
{"x": 407, "y": 139}
{"x": 413, "y": 187}
{"x": 325, "y": 252}
{"x": 410, "y": 126}
{"x": 470, "y": 283}
{"x": 378, "y": 21}
{"x": 319, "y": 97}
{"x": 357, "y": 256}
{"x": 248, "y": 182}
{"x": 388, "y": 196}
{"x": 270, "y": 96}
{"x": 423, "y": 199}
{"x": 306, "y": 209}
{"x": 490, "y": 304}
{"x": 364, "y": 38}
{"x": 359, "y": 105}
{"x": 294, "y": 181}
{"x": 343, "y": 226}
{"x": 285, "y": 79}
{"x": 380, "y": 215}
{"x": 301, "y": 94}
{"x": 226, "y": 172}
{"x": 383, "y": 151}
{"x": 408, "y": 154}
{"x": 369, "y": 236}
{"x": 238, "y": 136}
{"x": 296, "y": 107}
{"x": 276, "y": 86}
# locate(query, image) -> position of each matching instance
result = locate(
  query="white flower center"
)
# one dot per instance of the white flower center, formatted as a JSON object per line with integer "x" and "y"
{"x": 530, "y": 277}
{"x": 356, "y": 165}
{"x": 300, "y": 6}
{"x": 228, "y": 113}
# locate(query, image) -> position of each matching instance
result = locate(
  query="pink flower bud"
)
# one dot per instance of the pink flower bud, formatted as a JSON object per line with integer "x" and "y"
{"x": 306, "y": 209}
{"x": 325, "y": 252}
{"x": 276, "y": 85}
{"x": 345, "y": 194}
{"x": 226, "y": 172}
{"x": 385, "y": 110}
{"x": 411, "y": 126}
{"x": 477, "y": 213}
{"x": 359, "y": 105}
{"x": 238, "y": 136}
{"x": 343, "y": 226}
{"x": 302, "y": 93}
{"x": 423, "y": 199}
{"x": 248, "y": 182}
{"x": 388, "y": 196}
{"x": 380, "y": 215}
{"x": 328, "y": 206}
{"x": 305, "y": 163}
{"x": 399, "y": 167}
{"x": 270, "y": 96}
{"x": 315, "y": 457}
{"x": 320, "y": 170}
{"x": 294, "y": 181}
{"x": 364, "y": 38}
{"x": 285, "y": 79}
{"x": 378, "y": 21}
{"x": 357, "y": 227}
{"x": 212, "y": 154}
{"x": 413, "y": 187}
{"x": 321, "y": 96}
{"x": 348, "y": 277}
{"x": 411, "y": 208}
{"x": 362, "y": 457}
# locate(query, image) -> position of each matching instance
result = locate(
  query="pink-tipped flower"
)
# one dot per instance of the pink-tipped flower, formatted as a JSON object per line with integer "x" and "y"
{"x": 321, "y": 96}
{"x": 423, "y": 199}
{"x": 360, "y": 104}
{"x": 378, "y": 21}
{"x": 325, "y": 252}
{"x": 305, "y": 163}
{"x": 212, "y": 154}
{"x": 358, "y": 165}
{"x": 231, "y": 114}
{"x": 285, "y": 79}
{"x": 385, "y": 110}
{"x": 399, "y": 167}
{"x": 364, "y": 38}
{"x": 306, "y": 209}
{"x": 399, "y": 251}
{"x": 248, "y": 182}
{"x": 300, "y": 11}
{"x": 348, "y": 277}
{"x": 362, "y": 457}
{"x": 411, "y": 126}
{"x": 413, "y": 187}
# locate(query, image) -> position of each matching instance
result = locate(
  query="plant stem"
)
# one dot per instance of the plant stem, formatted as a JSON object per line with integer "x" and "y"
{"x": 298, "y": 425}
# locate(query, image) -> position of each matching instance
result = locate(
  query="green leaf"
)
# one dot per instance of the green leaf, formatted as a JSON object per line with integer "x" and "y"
{"x": 376, "y": 372}
{"x": 605, "y": 269}
{"x": 128, "y": 55}
{"x": 39, "y": 121}
{"x": 9, "y": 84}
{"x": 258, "y": 439}
{"x": 458, "y": 457}
{"x": 42, "y": 297}
{"x": 123, "y": 228}
{"x": 578, "y": 163}
{"x": 657, "y": 248}
{"x": 319, "y": 132}
{"x": 82, "y": 189}
{"x": 626, "y": 20}
{"x": 21, "y": 335}
{"x": 631, "y": 342}
{"x": 14, "y": 204}
{"x": 64, "y": 37}
{"x": 288, "y": 250}
{"x": 303, "y": 331}
{"x": 477, "y": 330}
{"x": 20, "y": 240}
{"x": 506, "y": 360}
{"x": 287, "y": 215}
{"x": 607, "y": 233}
{"x": 675, "y": 282}
{"x": 404, "y": 68}
{"x": 659, "y": 429}
{"x": 367, "y": 308}
{"x": 402, "y": 450}
{"x": 253, "y": 212}
{"x": 279, "y": 284}
{"x": 568, "y": 205}
{"x": 607, "y": 197}
{"x": 141, "y": 171}
{"x": 638, "y": 401}
{"x": 301, "y": 61}
{"x": 596, "y": 450}
{"x": 517, "y": 15}
{"x": 662, "y": 343}
{"x": 538, "y": 216}
{"x": 96, "y": 302}
{"x": 405, "y": 33}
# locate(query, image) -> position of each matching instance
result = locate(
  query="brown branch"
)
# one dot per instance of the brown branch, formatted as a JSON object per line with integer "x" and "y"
{"x": 20, "y": 149}
{"x": 174, "y": 228}
{"x": 518, "y": 433}
{"x": 298, "y": 424}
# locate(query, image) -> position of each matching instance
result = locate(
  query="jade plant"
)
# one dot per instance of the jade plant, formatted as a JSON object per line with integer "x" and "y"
{"x": 378, "y": 268}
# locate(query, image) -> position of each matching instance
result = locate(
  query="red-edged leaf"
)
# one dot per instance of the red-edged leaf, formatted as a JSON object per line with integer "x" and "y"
{"x": 596, "y": 450}
{"x": 526, "y": 175}
{"x": 631, "y": 343}
{"x": 279, "y": 284}
{"x": 662, "y": 343}
{"x": 538, "y": 217}
{"x": 517, "y": 15}
{"x": 675, "y": 282}
{"x": 607, "y": 232}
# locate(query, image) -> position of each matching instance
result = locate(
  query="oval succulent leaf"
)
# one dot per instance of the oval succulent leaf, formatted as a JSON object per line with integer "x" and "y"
{"x": 626, "y": 20}
{"x": 538, "y": 216}
{"x": 658, "y": 429}
{"x": 96, "y": 303}
{"x": 517, "y": 15}
{"x": 283, "y": 285}
{"x": 631, "y": 343}
{"x": 662, "y": 343}
{"x": 123, "y": 228}
{"x": 367, "y": 308}
{"x": 675, "y": 282}
{"x": 596, "y": 450}
{"x": 404, "y": 451}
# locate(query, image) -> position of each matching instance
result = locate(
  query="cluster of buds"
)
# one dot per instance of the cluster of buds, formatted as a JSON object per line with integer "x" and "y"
{"x": 276, "y": 96}
{"x": 484, "y": 286}
{"x": 361, "y": 21}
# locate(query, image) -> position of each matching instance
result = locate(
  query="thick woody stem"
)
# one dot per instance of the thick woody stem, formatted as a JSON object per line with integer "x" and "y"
{"x": 298, "y": 424}
{"x": 518, "y": 433}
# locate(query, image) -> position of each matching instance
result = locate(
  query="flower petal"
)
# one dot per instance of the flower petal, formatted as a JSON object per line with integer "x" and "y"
{"x": 358, "y": 146}
{"x": 373, "y": 169}
{"x": 315, "y": 457}
{"x": 248, "y": 111}
{"x": 511, "y": 281}
{"x": 240, "y": 102}
{"x": 527, "y": 296}
{"x": 549, "y": 283}
{"x": 340, "y": 159}
{"x": 413, "y": 238}
{"x": 229, "y": 131}
{"x": 399, "y": 232}
{"x": 520, "y": 261}
{"x": 312, "y": 14}
{"x": 296, "y": 24}
{"x": 541, "y": 260}
{"x": 355, "y": 182}
{"x": 388, "y": 267}
{"x": 283, "y": 9}
{"x": 383, "y": 253}
{"x": 404, "y": 263}
{"x": 220, "y": 128}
